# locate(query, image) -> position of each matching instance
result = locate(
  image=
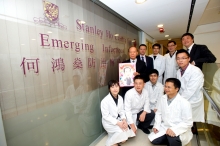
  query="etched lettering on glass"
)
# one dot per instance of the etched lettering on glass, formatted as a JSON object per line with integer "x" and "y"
{"x": 30, "y": 64}
{"x": 58, "y": 64}
{"x": 77, "y": 64}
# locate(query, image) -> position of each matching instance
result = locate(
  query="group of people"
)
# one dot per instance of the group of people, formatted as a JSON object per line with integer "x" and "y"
{"x": 177, "y": 74}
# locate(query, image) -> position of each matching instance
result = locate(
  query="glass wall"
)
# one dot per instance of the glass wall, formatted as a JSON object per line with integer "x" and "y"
{"x": 209, "y": 132}
{"x": 56, "y": 57}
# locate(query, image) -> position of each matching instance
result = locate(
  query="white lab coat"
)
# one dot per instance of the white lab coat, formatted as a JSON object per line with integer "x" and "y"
{"x": 154, "y": 94}
{"x": 171, "y": 66}
{"x": 110, "y": 118}
{"x": 177, "y": 116}
{"x": 159, "y": 65}
{"x": 191, "y": 89}
{"x": 134, "y": 103}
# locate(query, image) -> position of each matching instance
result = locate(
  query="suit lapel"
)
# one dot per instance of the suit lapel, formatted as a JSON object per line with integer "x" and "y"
{"x": 192, "y": 52}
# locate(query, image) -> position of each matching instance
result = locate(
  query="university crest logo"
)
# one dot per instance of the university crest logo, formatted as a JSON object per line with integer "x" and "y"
{"x": 51, "y": 16}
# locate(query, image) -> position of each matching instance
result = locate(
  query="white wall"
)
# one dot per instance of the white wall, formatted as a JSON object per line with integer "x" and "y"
{"x": 209, "y": 35}
{"x": 143, "y": 37}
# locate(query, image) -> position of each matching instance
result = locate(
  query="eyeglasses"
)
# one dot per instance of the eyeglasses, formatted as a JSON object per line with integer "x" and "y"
{"x": 182, "y": 58}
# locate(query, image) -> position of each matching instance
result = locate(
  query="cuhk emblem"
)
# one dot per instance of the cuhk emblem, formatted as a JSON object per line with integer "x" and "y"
{"x": 51, "y": 11}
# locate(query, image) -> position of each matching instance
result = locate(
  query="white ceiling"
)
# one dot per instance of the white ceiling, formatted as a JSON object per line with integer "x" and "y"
{"x": 173, "y": 14}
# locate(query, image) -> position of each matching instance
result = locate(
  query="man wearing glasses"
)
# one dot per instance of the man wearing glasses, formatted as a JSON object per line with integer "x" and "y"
{"x": 171, "y": 66}
{"x": 192, "y": 79}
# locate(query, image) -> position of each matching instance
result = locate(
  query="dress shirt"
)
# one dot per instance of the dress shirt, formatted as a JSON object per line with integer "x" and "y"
{"x": 190, "y": 48}
{"x": 135, "y": 61}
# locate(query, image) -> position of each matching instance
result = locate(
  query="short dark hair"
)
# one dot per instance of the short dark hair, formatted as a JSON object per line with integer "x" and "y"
{"x": 171, "y": 42}
{"x": 112, "y": 83}
{"x": 126, "y": 68}
{"x": 175, "y": 81}
{"x": 182, "y": 51}
{"x": 187, "y": 34}
{"x": 153, "y": 71}
{"x": 156, "y": 45}
{"x": 139, "y": 77}
{"x": 143, "y": 45}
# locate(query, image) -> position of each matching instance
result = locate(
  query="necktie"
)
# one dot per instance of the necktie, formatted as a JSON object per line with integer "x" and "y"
{"x": 133, "y": 61}
{"x": 142, "y": 58}
{"x": 155, "y": 57}
{"x": 187, "y": 50}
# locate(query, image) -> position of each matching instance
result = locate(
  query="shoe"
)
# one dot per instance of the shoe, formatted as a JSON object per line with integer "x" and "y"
{"x": 139, "y": 127}
{"x": 146, "y": 131}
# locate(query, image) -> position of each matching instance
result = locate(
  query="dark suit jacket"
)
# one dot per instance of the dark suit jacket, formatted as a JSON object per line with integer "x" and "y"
{"x": 201, "y": 54}
{"x": 140, "y": 68}
{"x": 149, "y": 64}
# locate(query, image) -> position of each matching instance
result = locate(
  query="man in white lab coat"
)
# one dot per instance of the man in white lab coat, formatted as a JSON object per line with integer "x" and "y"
{"x": 113, "y": 116}
{"x": 192, "y": 79}
{"x": 171, "y": 66}
{"x": 159, "y": 61}
{"x": 173, "y": 120}
{"x": 137, "y": 106}
{"x": 154, "y": 88}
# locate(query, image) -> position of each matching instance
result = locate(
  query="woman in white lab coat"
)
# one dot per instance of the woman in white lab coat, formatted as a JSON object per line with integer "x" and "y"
{"x": 113, "y": 116}
{"x": 192, "y": 80}
{"x": 159, "y": 61}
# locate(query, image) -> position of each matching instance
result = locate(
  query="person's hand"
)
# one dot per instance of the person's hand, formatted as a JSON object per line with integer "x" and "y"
{"x": 120, "y": 124}
{"x": 170, "y": 132}
{"x": 133, "y": 128}
{"x": 155, "y": 130}
{"x": 142, "y": 116}
{"x": 136, "y": 73}
{"x": 125, "y": 124}
{"x": 193, "y": 63}
{"x": 155, "y": 110}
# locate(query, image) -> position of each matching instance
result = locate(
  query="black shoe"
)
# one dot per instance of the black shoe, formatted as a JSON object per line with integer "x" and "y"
{"x": 146, "y": 131}
{"x": 139, "y": 127}
{"x": 150, "y": 127}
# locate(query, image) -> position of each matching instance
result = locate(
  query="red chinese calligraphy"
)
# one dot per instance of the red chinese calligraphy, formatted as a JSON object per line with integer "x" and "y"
{"x": 77, "y": 64}
{"x": 58, "y": 64}
{"x": 30, "y": 64}
{"x": 91, "y": 63}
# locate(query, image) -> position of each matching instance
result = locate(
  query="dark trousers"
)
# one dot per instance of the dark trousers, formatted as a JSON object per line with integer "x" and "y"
{"x": 148, "y": 119}
{"x": 167, "y": 140}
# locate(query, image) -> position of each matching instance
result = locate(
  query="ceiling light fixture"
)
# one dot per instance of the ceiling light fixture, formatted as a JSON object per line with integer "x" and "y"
{"x": 169, "y": 39}
{"x": 140, "y": 1}
{"x": 116, "y": 34}
{"x": 160, "y": 25}
{"x": 166, "y": 35}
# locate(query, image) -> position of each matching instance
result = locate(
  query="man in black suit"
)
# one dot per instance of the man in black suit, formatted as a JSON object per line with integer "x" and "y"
{"x": 141, "y": 68}
{"x": 199, "y": 54}
{"x": 147, "y": 60}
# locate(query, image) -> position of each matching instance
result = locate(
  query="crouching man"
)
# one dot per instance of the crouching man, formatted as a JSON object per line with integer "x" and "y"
{"x": 173, "y": 119}
{"x": 137, "y": 106}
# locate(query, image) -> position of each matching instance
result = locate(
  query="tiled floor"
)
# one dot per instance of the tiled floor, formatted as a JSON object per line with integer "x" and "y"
{"x": 140, "y": 140}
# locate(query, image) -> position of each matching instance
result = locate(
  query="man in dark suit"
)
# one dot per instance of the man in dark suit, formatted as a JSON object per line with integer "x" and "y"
{"x": 141, "y": 68}
{"x": 147, "y": 60}
{"x": 199, "y": 54}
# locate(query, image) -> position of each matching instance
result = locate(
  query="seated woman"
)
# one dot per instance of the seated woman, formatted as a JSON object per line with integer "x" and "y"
{"x": 113, "y": 116}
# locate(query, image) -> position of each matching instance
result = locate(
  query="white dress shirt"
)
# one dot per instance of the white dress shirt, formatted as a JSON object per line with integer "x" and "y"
{"x": 135, "y": 61}
{"x": 190, "y": 48}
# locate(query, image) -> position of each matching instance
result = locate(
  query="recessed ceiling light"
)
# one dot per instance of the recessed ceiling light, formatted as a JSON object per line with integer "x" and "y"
{"x": 116, "y": 34}
{"x": 82, "y": 22}
{"x": 140, "y": 1}
{"x": 81, "y": 38}
{"x": 166, "y": 35}
{"x": 160, "y": 25}
{"x": 49, "y": 32}
{"x": 169, "y": 39}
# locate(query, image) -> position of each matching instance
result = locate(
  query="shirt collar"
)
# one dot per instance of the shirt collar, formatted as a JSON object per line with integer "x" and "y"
{"x": 190, "y": 47}
{"x": 135, "y": 60}
{"x": 184, "y": 68}
{"x": 142, "y": 55}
